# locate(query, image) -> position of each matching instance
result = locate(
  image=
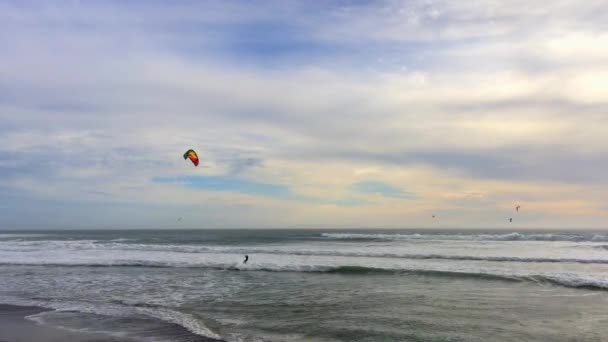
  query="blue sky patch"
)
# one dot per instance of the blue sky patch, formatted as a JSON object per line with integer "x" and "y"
{"x": 229, "y": 184}
{"x": 381, "y": 188}
{"x": 249, "y": 187}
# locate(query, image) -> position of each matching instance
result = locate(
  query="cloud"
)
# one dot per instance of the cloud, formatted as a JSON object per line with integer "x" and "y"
{"x": 305, "y": 108}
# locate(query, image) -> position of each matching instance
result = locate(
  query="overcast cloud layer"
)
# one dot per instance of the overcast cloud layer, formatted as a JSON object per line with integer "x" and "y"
{"x": 304, "y": 114}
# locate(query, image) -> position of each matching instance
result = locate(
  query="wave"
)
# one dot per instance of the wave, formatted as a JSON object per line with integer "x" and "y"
{"x": 470, "y": 237}
{"x": 112, "y": 247}
{"x": 339, "y": 254}
{"x": 20, "y": 236}
{"x": 419, "y": 256}
{"x": 560, "y": 280}
{"x": 240, "y": 251}
{"x": 184, "y": 320}
{"x": 119, "y": 240}
{"x": 566, "y": 280}
{"x": 187, "y": 321}
{"x": 475, "y": 258}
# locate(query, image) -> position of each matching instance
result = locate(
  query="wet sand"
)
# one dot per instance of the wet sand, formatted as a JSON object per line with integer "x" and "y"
{"x": 14, "y": 327}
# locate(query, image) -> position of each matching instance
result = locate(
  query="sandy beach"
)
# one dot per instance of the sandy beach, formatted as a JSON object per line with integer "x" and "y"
{"x": 14, "y": 327}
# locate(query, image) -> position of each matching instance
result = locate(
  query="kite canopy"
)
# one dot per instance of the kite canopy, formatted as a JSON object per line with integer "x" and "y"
{"x": 190, "y": 154}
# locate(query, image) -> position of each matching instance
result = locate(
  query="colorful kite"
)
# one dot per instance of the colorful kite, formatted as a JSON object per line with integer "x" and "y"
{"x": 190, "y": 154}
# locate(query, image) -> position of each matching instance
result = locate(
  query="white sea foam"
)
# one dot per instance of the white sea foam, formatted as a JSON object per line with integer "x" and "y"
{"x": 184, "y": 320}
{"x": 82, "y": 252}
{"x": 42, "y": 319}
{"x": 472, "y": 237}
{"x": 585, "y": 264}
{"x": 565, "y": 274}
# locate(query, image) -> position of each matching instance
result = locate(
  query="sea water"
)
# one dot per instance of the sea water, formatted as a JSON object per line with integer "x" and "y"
{"x": 313, "y": 285}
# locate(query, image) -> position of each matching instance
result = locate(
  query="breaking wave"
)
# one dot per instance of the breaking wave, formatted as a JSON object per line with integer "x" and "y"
{"x": 80, "y": 251}
{"x": 471, "y": 237}
{"x": 184, "y": 320}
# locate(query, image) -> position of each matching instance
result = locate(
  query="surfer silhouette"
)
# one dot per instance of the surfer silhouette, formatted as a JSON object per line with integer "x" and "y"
{"x": 246, "y": 258}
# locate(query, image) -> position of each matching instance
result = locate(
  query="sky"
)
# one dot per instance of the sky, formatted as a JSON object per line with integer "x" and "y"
{"x": 305, "y": 114}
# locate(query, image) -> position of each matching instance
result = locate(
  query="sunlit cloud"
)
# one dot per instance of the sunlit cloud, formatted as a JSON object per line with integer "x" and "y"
{"x": 372, "y": 114}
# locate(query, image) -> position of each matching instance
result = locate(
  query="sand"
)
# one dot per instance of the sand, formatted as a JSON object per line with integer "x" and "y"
{"x": 14, "y": 327}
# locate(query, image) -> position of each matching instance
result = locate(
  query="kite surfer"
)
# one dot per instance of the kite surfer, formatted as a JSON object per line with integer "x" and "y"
{"x": 246, "y": 258}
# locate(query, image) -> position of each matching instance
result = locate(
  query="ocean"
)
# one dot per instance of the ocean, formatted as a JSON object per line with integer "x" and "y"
{"x": 312, "y": 285}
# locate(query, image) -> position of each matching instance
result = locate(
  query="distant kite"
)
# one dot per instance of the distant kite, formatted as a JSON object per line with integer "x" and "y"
{"x": 190, "y": 154}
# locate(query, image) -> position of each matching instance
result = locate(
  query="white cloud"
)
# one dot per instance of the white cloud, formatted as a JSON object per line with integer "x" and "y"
{"x": 103, "y": 100}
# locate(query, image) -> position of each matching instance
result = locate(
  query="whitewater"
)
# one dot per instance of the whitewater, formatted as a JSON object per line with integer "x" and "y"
{"x": 196, "y": 280}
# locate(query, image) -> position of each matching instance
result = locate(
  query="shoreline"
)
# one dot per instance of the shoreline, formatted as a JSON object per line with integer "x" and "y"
{"x": 15, "y": 327}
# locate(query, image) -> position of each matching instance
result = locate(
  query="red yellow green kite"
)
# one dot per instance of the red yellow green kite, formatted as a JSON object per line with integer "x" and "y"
{"x": 190, "y": 154}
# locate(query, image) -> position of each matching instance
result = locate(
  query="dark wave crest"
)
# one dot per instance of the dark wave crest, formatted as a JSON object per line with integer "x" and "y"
{"x": 561, "y": 280}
